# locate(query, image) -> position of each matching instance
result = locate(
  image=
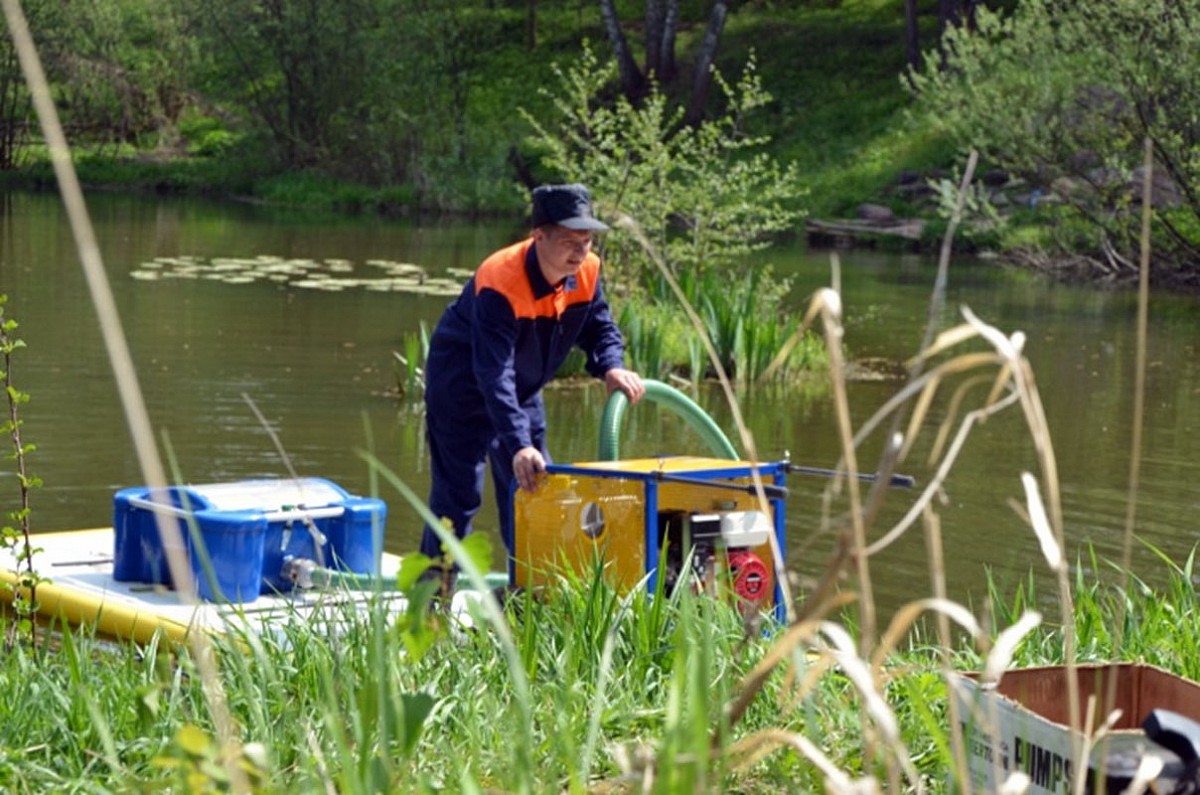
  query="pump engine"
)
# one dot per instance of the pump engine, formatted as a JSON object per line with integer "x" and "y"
{"x": 719, "y": 550}
{"x": 680, "y": 518}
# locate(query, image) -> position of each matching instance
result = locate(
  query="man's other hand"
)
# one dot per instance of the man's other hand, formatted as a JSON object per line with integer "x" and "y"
{"x": 528, "y": 465}
{"x": 627, "y": 381}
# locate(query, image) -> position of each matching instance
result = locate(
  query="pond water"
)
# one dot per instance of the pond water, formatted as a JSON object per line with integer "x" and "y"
{"x": 319, "y": 364}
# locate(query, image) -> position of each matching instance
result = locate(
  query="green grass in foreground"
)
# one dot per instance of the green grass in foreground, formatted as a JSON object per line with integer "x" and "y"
{"x": 622, "y": 691}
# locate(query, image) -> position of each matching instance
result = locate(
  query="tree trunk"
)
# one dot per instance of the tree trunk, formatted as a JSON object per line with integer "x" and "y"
{"x": 948, "y": 15}
{"x": 912, "y": 35}
{"x": 633, "y": 82}
{"x": 708, "y": 54}
{"x": 670, "y": 26}
{"x": 968, "y": 13}
{"x": 654, "y": 31}
{"x": 531, "y": 24}
{"x": 521, "y": 167}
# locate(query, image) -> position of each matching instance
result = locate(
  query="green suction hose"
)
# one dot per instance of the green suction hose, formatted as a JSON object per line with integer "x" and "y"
{"x": 672, "y": 398}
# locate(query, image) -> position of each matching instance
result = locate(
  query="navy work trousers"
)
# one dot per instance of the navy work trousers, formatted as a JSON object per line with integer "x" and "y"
{"x": 458, "y": 452}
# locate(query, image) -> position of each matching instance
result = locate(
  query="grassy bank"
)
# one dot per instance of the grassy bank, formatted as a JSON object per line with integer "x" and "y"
{"x": 621, "y": 691}
{"x": 841, "y": 109}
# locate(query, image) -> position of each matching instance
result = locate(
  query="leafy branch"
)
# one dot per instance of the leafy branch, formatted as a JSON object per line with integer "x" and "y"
{"x": 16, "y": 538}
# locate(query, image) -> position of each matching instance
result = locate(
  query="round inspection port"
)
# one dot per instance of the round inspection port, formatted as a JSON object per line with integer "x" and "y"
{"x": 591, "y": 520}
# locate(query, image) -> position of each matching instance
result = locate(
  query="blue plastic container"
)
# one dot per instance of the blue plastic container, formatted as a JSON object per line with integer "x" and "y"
{"x": 139, "y": 553}
{"x": 356, "y": 537}
{"x": 247, "y": 531}
{"x": 233, "y": 542}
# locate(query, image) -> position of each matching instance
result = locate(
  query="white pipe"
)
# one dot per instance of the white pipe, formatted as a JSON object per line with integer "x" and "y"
{"x": 271, "y": 516}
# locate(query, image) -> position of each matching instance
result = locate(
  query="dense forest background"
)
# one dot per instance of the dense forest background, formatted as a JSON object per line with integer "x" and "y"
{"x": 868, "y": 106}
{"x": 422, "y": 98}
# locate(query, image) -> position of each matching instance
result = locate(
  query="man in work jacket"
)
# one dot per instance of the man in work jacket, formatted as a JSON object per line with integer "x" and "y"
{"x": 498, "y": 344}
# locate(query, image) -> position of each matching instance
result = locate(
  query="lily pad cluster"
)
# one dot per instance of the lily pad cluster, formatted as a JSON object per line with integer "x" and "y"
{"x": 331, "y": 275}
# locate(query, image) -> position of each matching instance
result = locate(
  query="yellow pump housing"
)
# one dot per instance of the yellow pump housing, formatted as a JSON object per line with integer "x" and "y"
{"x": 643, "y": 518}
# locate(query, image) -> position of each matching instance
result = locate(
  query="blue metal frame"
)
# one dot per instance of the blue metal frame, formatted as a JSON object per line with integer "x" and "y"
{"x": 777, "y": 471}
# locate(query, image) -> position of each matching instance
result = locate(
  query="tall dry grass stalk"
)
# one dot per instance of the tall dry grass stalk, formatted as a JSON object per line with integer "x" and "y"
{"x": 947, "y": 361}
{"x": 124, "y": 373}
{"x": 1139, "y": 408}
{"x": 1012, "y": 384}
{"x": 635, "y": 229}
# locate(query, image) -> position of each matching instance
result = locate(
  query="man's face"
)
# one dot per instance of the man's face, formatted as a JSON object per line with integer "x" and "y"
{"x": 561, "y": 251}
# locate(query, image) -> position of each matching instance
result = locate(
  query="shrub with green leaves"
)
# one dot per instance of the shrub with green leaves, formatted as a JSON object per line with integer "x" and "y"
{"x": 1063, "y": 94}
{"x": 700, "y": 199}
{"x": 705, "y": 196}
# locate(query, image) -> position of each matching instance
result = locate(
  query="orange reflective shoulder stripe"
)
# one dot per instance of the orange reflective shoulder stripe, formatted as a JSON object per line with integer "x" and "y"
{"x": 504, "y": 272}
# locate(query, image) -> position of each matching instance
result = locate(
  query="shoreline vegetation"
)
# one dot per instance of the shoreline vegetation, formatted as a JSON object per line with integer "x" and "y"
{"x": 628, "y": 693}
{"x": 875, "y": 147}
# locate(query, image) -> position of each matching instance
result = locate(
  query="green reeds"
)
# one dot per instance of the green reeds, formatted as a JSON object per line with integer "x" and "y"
{"x": 645, "y": 340}
{"x": 742, "y": 322}
{"x": 1119, "y": 615}
{"x": 629, "y": 688}
{"x": 409, "y": 367}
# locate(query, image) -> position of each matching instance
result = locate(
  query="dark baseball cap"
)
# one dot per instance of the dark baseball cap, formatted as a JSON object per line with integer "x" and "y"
{"x": 565, "y": 205}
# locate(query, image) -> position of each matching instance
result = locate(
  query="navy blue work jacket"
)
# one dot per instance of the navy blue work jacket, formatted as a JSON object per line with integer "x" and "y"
{"x": 507, "y": 334}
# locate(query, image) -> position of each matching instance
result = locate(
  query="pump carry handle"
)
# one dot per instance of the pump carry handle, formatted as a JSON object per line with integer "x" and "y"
{"x": 771, "y": 491}
{"x": 903, "y": 481}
